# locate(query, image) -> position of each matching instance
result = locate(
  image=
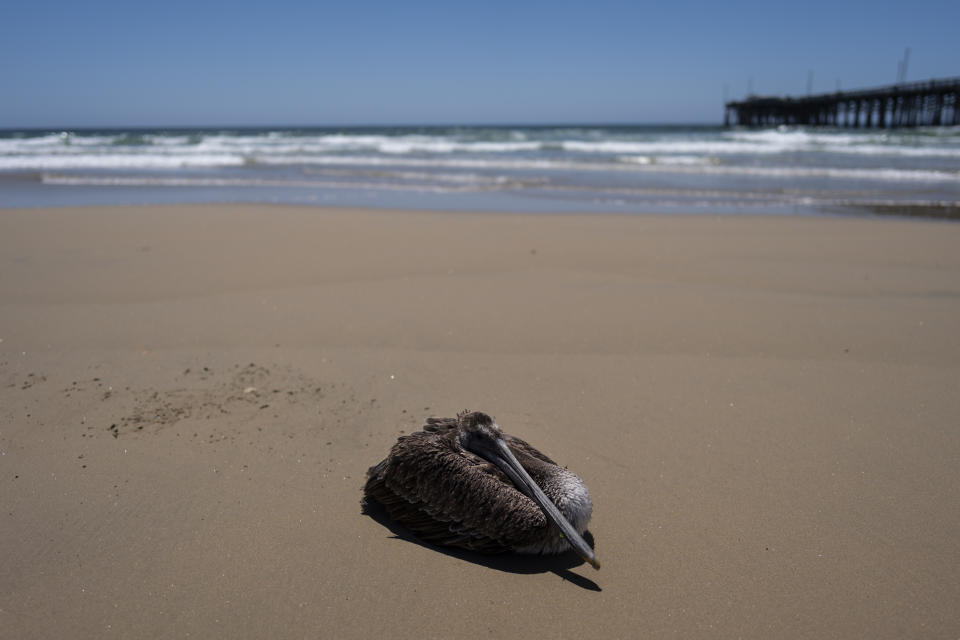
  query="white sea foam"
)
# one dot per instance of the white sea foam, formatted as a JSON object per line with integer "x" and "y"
{"x": 424, "y": 176}
{"x": 686, "y": 166}
{"x": 573, "y": 142}
{"x": 117, "y": 161}
{"x": 459, "y": 162}
{"x": 643, "y": 164}
{"x": 758, "y": 144}
{"x": 661, "y": 147}
{"x": 341, "y": 143}
{"x": 876, "y": 143}
{"x": 668, "y": 160}
{"x": 889, "y": 150}
{"x": 189, "y": 181}
{"x": 883, "y": 174}
{"x": 689, "y": 166}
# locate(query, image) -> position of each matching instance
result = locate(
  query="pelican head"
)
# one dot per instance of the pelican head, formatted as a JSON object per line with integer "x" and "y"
{"x": 477, "y": 427}
{"x": 480, "y": 435}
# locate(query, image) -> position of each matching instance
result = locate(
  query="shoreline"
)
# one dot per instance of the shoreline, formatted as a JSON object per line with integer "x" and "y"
{"x": 933, "y": 211}
{"x": 763, "y": 408}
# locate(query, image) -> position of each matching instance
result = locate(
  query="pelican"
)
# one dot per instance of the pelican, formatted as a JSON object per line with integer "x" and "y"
{"x": 462, "y": 482}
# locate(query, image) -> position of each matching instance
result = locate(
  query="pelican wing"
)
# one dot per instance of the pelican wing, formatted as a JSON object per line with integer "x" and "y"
{"x": 521, "y": 446}
{"x": 450, "y": 497}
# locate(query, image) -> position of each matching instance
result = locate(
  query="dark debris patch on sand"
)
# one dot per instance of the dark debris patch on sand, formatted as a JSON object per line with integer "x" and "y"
{"x": 241, "y": 394}
{"x": 264, "y": 408}
{"x": 22, "y": 382}
{"x": 207, "y": 403}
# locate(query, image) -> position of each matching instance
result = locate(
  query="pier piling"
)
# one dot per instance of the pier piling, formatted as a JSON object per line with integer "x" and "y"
{"x": 929, "y": 103}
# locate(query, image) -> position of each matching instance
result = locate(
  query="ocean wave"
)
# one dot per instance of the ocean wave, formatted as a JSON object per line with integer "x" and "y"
{"x": 928, "y": 156}
{"x": 867, "y": 143}
{"x": 50, "y": 141}
{"x": 193, "y": 181}
{"x": 663, "y": 147}
{"x": 572, "y": 141}
{"x": 118, "y": 161}
{"x": 681, "y": 165}
{"x": 890, "y": 150}
{"x": 883, "y": 174}
{"x": 343, "y": 143}
{"x": 668, "y": 160}
{"x": 757, "y": 147}
{"x": 426, "y": 176}
{"x": 661, "y": 165}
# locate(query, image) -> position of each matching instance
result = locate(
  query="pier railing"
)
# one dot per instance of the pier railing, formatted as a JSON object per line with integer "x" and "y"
{"x": 929, "y": 103}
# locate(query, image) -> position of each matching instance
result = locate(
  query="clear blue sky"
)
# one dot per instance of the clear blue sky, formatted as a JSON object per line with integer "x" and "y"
{"x": 71, "y": 63}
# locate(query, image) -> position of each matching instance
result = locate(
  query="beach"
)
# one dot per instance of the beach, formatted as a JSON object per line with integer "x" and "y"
{"x": 764, "y": 408}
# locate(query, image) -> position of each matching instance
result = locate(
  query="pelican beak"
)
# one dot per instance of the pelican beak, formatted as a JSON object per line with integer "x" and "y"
{"x": 508, "y": 463}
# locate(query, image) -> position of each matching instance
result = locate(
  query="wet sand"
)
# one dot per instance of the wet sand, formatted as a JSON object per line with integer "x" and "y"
{"x": 765, "y": 410}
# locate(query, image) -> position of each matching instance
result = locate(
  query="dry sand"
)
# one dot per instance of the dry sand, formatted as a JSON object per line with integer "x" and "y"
{"x": 765, "y": 409}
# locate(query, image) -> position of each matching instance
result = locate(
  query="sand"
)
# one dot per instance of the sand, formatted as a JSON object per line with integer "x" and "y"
{"x": 765, "y": 409}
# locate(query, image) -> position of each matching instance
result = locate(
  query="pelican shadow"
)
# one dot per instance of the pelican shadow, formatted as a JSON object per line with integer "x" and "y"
{"x": 559, "y": 565}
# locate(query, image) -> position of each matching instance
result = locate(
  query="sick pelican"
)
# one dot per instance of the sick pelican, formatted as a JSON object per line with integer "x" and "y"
{"x": 462, "y": 482}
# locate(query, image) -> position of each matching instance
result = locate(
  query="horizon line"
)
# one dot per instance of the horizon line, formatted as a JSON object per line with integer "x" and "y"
{"x": 470, "y": 125}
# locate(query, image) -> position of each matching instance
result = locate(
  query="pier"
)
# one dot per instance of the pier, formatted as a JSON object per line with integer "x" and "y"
{"x": 930, "y": 103}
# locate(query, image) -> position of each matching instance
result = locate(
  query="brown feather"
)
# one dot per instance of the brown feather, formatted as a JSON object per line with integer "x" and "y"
{"x": 449, "y": 496}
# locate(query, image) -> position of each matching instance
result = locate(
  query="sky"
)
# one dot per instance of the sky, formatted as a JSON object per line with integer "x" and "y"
{"x": 126, "y": 63}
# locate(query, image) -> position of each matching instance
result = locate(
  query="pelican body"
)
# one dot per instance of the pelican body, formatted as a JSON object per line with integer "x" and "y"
{"x": 462, "y": 482}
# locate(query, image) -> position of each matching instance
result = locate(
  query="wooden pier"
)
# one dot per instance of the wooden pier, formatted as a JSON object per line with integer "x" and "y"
{"x": 931, "y": 103}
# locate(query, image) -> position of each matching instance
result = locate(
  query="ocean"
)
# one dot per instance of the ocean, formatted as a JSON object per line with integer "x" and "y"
{"x": 629, "y": 169}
